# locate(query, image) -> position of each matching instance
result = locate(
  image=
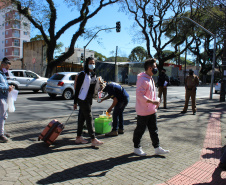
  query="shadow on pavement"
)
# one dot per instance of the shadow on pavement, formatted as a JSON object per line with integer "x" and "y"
{"x": 100, "y": 168}
{"x": 216, "y": 154}
{"x": 39, "y": 149}
{"x": 216, "y": 178}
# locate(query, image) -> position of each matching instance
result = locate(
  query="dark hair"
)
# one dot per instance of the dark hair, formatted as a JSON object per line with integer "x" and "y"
{"x": 149, "y": 63}
{"x": 6, "y": 61}
{"x": 86, "y": 66}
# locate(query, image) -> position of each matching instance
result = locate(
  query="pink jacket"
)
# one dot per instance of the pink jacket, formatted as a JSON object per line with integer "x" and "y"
{"x": 145, "y": 90}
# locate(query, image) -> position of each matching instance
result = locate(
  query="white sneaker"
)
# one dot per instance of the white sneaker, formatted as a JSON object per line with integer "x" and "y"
{"x": 160, "y": 150}
{"x": 139, "y": 151}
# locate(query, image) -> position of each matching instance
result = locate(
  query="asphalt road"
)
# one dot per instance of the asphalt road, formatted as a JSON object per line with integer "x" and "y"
{"x": 38, "y": 106}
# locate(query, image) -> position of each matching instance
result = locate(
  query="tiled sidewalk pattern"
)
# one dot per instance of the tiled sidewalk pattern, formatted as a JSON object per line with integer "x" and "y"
{"x": 26, "y": 161}
{"x": 205, "y": 171}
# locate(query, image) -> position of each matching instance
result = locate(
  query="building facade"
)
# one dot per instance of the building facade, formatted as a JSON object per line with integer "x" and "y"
{"x": 78, "y": 52}
{"x": 14, "y": 31}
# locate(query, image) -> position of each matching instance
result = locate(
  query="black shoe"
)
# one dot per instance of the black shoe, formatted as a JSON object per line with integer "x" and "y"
{"x": 7, "y": 135}
{"x": 120, "y": 131}
{"x": 3, "y": 139}
{"x": 194, "y": 113}
{"x": 183, "y": 112}
{"x": 222, "y": 166}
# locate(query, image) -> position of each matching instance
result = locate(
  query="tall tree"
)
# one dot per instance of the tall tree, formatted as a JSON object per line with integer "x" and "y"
{"x": 43, "y": 15}
{"x": 138, "y": 54}
{"x": 155, "y": 35}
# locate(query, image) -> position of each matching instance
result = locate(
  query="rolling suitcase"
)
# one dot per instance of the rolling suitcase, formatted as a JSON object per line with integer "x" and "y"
{"x": 52, "y": 131}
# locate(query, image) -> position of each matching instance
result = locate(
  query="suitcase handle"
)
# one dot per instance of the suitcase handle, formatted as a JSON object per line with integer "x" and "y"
{"x": 68, "y": 118}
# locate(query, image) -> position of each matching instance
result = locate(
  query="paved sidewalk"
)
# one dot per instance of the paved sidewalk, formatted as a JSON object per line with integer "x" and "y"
{"x": 195, "y": 142}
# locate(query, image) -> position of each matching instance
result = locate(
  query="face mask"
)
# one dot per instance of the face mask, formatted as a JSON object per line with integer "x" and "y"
{"x": 4, "y": 70}
{"x": 154, "y": 70}
{"x": 91, "y": 66}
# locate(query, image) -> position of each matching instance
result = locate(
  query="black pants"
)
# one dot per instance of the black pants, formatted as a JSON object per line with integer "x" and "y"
{"x": 85, "y": 114}
{"x": 149, "y": 121}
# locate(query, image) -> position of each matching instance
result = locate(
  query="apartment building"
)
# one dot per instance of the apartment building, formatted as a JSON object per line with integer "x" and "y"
{"x": 14, "y": 31}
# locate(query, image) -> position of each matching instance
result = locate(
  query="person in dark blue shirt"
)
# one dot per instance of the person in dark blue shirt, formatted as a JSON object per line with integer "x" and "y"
{"x": 120, "y": 100}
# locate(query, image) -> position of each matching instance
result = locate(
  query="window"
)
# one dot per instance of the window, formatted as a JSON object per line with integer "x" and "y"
{"x": 16, "y": 42}
{"x": 3, "y": 33}
{"x": 31, "y": 75}
{"x": 6, "y": 50}
{"x": 25, "y": 24}
{"x": 16, "y": 33}
{"x": 17, "y": 16}
{"x": 7, "y": 24}
{"x": 6, "y": 41}
{"x": 18, "y": 73}
{"x": 16, "y": 52}
{"x": 16, "y": 24}
{"x": 6, "y": 32}
{"x": 72, "y": 77}
{"x": 25, "y": 32}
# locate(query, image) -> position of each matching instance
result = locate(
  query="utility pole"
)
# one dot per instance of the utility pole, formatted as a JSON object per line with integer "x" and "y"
{"x": 223, "y": 82}
{"x": 116, "y": 67}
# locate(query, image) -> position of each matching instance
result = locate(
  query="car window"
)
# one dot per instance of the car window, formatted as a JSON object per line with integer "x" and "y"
{"x": 17, "y": 73}
{"x": 30, "y": 74}
{"x": 57, "y": 77}
{"x": 72, "y": 77}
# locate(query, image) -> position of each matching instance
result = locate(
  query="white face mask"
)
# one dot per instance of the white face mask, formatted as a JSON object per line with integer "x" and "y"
{"x": 91, "y": 66}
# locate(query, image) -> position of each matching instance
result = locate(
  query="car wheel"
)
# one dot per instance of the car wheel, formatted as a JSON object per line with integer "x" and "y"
{"x": 67, "y": 95}
{"x": 52, "y": 95}
{"x": 35, "y": 91}
{"x": 44, "y": 88}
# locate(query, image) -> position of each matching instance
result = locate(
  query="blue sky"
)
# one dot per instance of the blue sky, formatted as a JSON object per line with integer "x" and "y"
{"x": 106, "y": 18}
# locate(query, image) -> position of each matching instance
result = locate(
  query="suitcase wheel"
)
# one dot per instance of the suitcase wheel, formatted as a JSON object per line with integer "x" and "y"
{"x": 38, "y": 138}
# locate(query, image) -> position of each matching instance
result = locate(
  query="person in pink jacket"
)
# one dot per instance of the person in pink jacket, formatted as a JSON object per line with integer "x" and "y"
{"x": 146, "y": 108}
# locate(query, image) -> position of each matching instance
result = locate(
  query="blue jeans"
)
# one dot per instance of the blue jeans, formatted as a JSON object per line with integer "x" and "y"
{"x": 118, "y": 121}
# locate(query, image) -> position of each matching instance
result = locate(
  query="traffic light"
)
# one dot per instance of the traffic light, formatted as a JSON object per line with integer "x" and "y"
{"x": 82, "y": 58}
{"x": 210, "y": 54}
{"x": 150, "y": 21}
{"x": 118, "y": 26}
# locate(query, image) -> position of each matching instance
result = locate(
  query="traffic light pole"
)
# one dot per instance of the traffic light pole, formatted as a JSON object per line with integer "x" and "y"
{"x": 92, "y": 39}
{"x": 214, "y": 54}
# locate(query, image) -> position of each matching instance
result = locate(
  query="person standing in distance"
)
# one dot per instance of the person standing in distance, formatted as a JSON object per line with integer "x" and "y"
{"x": 146, "y": 108}
{"x": 4, "y": 90}
{"x": 163, "y": 81}
{"x": 84, "y": 92}
{"x": 191, "y": 83}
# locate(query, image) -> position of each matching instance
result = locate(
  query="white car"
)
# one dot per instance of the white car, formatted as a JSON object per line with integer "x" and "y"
{"x": 26, "y": 80}
{"x": 61, "y": 83}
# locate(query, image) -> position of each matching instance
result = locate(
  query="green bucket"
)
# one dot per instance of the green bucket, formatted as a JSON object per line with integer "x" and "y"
{"x": 102, "y": 125}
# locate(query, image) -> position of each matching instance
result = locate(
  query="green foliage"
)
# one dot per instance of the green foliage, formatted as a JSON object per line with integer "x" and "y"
{"x": 99, "y": 56}
{"x": 138, "y": 54}
{"x": 119, "y": 59}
